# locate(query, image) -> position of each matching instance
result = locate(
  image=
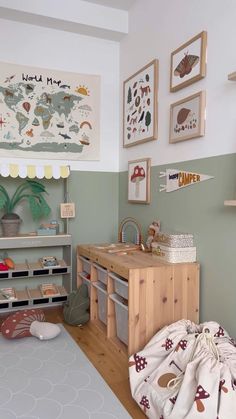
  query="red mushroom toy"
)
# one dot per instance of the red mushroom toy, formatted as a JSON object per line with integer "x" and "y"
{"x": 137, "y": 176}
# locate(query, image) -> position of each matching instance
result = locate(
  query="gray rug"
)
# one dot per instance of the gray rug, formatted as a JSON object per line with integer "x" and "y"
{"x": 52, "y": 380}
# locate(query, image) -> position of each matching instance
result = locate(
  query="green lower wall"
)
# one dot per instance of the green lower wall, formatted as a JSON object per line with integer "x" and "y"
{"x": 199, "y": 209}
{"x": 101, "y": 203}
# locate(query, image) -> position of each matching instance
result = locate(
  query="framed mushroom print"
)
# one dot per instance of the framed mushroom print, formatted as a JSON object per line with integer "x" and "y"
{"x": 187, "y": 118}
{"x": 139, "y": 181}
{"x": 188, "y": 62}
{"x": 140, "y": 106}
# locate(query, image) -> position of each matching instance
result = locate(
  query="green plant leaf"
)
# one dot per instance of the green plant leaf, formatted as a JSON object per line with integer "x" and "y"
{"x": 36, "y": 187}
{"x": 3, "y": 201}
{"x": 35, "y": 207}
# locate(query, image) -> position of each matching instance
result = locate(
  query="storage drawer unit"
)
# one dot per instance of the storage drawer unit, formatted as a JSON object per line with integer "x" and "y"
{"x": 86, "y": 281}
{"x": 101, "y": 273}
{"x": 121, "y": 311}
{"x": 121, "y": 286}
{"x": 102, "y": 301}
{"x": 86, "y": 265}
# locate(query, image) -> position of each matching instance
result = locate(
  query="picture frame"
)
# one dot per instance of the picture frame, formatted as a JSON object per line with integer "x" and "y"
{"x": 139, "y": 181}
{"x": 187, "y": 118}
{"x": 140, "y": 118}
{"x": 188, "y": 62}
{"x": 67, "y": 210}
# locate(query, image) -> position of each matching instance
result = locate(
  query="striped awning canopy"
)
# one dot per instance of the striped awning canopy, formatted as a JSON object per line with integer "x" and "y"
{"x": 32, "y": 171}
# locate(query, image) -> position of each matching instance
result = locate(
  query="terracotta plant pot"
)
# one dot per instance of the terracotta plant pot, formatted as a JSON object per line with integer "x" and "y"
{"x": 10, "y": 225}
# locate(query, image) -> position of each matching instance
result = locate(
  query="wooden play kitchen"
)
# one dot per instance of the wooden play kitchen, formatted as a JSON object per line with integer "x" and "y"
{"x": 133, "y": 294}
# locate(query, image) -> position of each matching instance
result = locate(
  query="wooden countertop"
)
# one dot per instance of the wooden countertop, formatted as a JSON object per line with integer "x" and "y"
{"x": 122, "y": 261}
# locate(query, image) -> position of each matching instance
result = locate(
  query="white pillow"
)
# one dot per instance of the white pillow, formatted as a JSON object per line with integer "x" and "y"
{"x": 44, "y": 330}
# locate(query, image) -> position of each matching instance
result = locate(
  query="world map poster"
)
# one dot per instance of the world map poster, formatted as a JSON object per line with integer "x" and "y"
{"x": 48, "y": 114}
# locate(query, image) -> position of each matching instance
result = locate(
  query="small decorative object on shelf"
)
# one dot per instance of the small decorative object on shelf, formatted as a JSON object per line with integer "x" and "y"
{"x": 231, "y": 203}
{"x": 174, "y": 247}
{"x": 47, "y": 261}
{"x": 232, "y": 76}
{"x": 49, "y": 290}
{"x": 129, "y": 222}
{"x": 153, "y": 229}
{"x": 7, "y": 294}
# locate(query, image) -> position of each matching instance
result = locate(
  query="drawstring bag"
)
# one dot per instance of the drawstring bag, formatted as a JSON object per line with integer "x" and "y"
{"x": 186, "y": 371}
{"x": 76, "y": 307}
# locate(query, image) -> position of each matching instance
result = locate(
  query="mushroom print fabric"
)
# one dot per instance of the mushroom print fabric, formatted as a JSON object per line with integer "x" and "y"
{"x": 186, "y": 371}
{"x": 17, "y": 325}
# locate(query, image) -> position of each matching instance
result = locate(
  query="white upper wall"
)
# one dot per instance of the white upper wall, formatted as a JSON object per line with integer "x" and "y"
{"x": 77, "y": 16}
{"x": 53, "y": 49}
{"x": 158, "y": 27}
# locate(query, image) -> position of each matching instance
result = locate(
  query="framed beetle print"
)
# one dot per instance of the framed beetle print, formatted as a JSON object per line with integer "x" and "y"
{"x": 188, "y": 62}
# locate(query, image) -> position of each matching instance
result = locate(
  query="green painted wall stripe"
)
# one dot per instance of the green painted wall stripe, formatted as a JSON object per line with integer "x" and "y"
{"x": 199, "y": 209}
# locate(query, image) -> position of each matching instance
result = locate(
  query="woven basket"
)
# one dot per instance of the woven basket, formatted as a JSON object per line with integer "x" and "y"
{"x": 10, "y": 228}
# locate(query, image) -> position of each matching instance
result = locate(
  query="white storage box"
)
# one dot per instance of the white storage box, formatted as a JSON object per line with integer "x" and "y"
{"x": 86, "y": 281}
{"x": 174, "y": 239}
{"x": 121, "y": 286}
{"x": 102, "y": 301}
{"x": 86, "y": 265}
{"x": 101, "y": 273}
{"x": 121, "y": 318}
{"x": 174, "y": 254}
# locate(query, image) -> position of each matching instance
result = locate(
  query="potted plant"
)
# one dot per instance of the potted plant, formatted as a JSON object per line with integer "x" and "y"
{"x": 31, "y": 191}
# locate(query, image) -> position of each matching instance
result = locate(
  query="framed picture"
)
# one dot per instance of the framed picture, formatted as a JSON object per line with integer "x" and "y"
{"x": 188, "y": 62}
{"x": 139, "y": 181}
{"x": 140, "y": 106}
{"x": 187, "y": 118}
{"x": 67, "y": 210}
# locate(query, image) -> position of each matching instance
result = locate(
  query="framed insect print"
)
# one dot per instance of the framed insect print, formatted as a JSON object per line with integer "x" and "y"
{"x": 139, "y": 181}
{"x": 187, "y": 118}
{"x": 140, "y": 106}
{"x": 188, "y": 62}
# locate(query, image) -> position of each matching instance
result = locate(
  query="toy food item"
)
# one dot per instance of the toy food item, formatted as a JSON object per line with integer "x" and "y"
{"x": 49, "y": 291}
{"x": 9, "y": 262}
{"x": 3, "y": 267}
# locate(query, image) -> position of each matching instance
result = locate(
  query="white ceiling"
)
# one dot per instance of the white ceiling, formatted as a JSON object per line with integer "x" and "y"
{"x": 116, "y": 4}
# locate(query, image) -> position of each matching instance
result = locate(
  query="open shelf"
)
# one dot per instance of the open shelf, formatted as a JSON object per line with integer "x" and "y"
{"x": 30, "y": 297}
{"x": 34, "y": 269}
{"x": 231, "y": 203}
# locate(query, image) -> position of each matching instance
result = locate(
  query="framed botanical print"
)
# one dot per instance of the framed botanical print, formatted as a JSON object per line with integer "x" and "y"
{"x": 187, "y": 118}
{"x": 140, "y": 106}
{"x": 139, "y": 181}
{"x": 188, "y": 62}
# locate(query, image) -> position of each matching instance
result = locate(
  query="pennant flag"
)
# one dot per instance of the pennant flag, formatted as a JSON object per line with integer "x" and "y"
{"x": 178, "y": 179}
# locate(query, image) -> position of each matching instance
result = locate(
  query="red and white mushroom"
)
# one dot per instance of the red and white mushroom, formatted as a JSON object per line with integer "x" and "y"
{"x": 201, "y": 394}
{"x": 182, "y": 344}
{"x": 137, "y": 176}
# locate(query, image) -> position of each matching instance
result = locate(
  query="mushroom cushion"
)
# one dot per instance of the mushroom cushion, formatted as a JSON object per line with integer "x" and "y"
{"x": 29, "y": 323}
{"x": 186, "y": 371}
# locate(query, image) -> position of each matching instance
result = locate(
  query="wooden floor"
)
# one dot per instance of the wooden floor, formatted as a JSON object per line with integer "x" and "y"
{"x": 111, "y": 364}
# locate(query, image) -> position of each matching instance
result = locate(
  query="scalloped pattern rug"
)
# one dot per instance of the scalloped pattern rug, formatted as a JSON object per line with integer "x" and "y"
{"x": 52, "y": 380}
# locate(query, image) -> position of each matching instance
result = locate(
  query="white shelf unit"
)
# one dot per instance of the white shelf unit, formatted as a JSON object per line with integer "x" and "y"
{"x": 32, "y": 297}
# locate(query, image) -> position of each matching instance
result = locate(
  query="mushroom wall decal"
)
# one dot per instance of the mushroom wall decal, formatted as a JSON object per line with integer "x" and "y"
{"x": 137, "y": 176}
